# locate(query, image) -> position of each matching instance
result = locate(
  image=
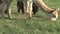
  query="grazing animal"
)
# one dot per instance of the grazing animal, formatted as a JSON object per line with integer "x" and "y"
{"x": 53, "y": 13}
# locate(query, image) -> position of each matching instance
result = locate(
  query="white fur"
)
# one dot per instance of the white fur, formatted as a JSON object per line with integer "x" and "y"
{"x": 53, "y": 19}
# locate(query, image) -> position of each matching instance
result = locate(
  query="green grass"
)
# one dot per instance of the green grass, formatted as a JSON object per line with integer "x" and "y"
{"x": 38, "y": 25}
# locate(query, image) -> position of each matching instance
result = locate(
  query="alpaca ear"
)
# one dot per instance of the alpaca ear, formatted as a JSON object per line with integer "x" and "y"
{"x": 53, "y": 10}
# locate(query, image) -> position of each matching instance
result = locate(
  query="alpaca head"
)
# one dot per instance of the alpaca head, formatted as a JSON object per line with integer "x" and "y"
{"x": 55, "y": 14}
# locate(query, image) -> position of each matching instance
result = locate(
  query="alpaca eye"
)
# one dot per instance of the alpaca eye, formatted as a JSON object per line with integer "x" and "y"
{"x": 54, "y": 16}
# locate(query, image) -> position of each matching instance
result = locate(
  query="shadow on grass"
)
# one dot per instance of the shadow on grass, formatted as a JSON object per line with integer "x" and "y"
{"x": 26, "y": 18}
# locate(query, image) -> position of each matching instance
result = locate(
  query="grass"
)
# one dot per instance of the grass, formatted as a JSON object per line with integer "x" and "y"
{"x": 38, "y": 25}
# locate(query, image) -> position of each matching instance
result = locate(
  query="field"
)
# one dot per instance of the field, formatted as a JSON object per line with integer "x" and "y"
{"x": 39, "y": 24}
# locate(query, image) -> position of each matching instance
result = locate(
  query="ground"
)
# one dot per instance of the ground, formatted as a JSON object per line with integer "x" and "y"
{"x": 39, "y": 24}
